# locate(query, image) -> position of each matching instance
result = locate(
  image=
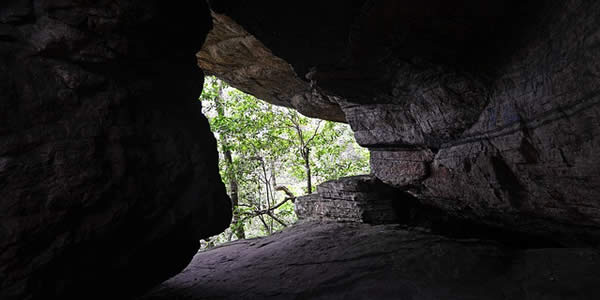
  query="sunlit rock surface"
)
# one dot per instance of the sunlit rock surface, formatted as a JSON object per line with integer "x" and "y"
{"x": 234, "y": 55}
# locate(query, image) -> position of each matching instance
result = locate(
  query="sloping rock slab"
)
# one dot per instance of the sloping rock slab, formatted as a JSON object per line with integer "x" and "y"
{"x": 360, "y": 261}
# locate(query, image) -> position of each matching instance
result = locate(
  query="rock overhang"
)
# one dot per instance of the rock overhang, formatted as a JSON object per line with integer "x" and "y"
{"x": 473, "y": 107}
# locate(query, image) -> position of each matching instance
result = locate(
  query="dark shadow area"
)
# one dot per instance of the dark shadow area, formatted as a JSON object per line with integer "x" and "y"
{"x": 413, "y": 213}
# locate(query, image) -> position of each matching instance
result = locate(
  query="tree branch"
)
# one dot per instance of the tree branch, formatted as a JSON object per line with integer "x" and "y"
{"x": 290, "y": 195}
{"x": 268, "y": 211}
{"x": 264, "y": 223}
{"x": 277, "y": 219}
{"x": 314, "y": 133}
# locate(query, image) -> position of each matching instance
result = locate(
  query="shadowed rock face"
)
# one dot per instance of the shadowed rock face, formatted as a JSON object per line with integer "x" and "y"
{"x": 108, "y": 170}
{"x": 350, "y": 199}
{"x": 361, "y": 261}
{"x": 487, "y": 110}
{"x": 484, "y": 113}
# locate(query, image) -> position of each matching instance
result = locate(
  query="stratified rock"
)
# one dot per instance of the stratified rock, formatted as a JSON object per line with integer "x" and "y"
{"x": 531, "y": 160}
{"x": 485, "y": 109}
{"x": 361, "y": 261}
{"x": 485, "y": 112}
{"x": 108, "y": 170}
{"x": 401, "y": 167}
{"x": 234, "y": 55}
{"x": 352, "y": 199}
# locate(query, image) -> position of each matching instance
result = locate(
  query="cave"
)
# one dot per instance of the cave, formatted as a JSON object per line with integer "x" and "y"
{"x": 481, "y": 118}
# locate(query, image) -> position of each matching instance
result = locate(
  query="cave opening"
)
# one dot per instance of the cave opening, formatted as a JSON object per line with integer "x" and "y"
{"x": 481, "y": 119}
{"x": 270, "y": 155}
{"x": 431, "y": 205}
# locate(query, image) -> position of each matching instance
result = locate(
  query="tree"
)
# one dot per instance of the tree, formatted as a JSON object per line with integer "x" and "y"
{"x": 238, "y": 230}
{"x": 303, "y": 141}
{"x": 267, "y": 153}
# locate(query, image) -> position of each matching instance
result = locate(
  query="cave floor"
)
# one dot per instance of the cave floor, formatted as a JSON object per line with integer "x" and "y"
{"x": 360, "y": 261}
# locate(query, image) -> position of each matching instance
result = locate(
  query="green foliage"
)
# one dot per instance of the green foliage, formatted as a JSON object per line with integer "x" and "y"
{"x": 273, "y": 146}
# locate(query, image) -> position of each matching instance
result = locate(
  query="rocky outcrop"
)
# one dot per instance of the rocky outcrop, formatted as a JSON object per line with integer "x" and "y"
{"x": 106, "y": 162}
{"x": 361, "y": 261}
{"x": 527, "y": 161}
{"x": 350, "y": 199}
{"x": 366, "y": 199}
{"x": 487, "y": 110}
{"x": 234, "y": 55}
{"x": 482, "y": 119}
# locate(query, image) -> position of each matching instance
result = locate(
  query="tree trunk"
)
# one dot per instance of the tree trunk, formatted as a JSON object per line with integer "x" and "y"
{"x": 307, "y": 168}
{"x": 238, "y": 229}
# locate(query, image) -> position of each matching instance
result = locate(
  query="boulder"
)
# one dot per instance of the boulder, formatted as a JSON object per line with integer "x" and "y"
{"x": 350, "y": 199}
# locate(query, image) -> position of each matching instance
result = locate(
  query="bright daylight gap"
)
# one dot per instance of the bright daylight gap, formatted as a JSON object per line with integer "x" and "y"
{"x": 268, "y": 155}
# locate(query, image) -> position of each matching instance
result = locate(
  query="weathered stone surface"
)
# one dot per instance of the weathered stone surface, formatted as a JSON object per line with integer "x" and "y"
{"x": 401, "y": 167}
{"x": 366, "y": 199}
{"x": 424, "y": 107}
{"x": 237, "y": 57}
{"x": 353, "y": 199}
{"x": 531, "y": 159}
{"x": 360, "y": 261}
{"x": 486, "y": 112}
{"x": 108, "y": 170}
{"x": 483, "y": 109}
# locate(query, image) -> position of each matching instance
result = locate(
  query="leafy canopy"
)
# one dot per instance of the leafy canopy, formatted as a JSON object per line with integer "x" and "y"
{"x": 265, "y": 149}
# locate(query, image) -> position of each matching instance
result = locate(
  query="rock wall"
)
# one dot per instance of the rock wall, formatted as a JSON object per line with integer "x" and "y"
{"x": 530, "y": 159}
{"x": 482, "y": 111}
{"x": 108, "y": 170}
{"x": 486, "y": 110}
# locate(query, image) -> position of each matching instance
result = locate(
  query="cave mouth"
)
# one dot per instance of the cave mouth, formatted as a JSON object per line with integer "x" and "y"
{"x": 483, "y": 136}
{"x": 465, "y": 193}
{"x": 271, "y": 155}
{"x": 427, "y": 89}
